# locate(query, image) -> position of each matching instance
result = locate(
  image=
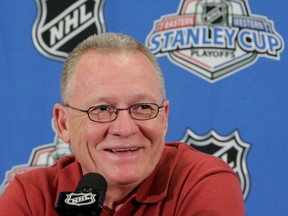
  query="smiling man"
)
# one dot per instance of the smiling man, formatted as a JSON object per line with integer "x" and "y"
{"x": 114, "y": 113}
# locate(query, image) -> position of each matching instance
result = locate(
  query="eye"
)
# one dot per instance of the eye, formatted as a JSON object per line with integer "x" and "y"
{"x": 142, "y": 107}
{"x": 102, "y": 108}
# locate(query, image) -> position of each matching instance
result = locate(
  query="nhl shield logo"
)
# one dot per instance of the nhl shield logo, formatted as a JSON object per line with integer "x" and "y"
{"x": 230, "y": 148}
{"x": 61, "y": 25}
{"x": 80, "y": 199}
{"x": 214, "y": 38}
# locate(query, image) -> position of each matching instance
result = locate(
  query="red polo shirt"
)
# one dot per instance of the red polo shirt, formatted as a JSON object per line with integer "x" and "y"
{"x": 185, "y": 182}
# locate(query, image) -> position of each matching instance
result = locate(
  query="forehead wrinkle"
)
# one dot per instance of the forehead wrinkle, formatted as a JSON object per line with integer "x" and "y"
{"x": 80, "y": 71}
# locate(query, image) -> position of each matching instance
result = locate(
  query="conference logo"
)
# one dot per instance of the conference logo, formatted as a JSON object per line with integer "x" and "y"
{"x": 41, "y": 156}
{"x": 213, "y": 39}
{"x": 230, "y": 149}
{"x": 61, "y": 25}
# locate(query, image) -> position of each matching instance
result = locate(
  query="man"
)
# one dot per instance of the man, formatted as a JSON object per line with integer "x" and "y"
{"x": 115, "y": 115}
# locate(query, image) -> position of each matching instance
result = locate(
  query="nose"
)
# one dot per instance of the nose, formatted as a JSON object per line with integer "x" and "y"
{"x": 124, "y": 125}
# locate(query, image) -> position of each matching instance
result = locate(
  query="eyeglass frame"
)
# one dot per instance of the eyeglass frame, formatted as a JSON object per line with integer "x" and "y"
{"x": 116, "y": 111}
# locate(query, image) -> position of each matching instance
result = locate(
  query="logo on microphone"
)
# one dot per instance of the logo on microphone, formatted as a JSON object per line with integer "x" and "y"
{"x": 61, "y": 25}
{"x": 80, "y": 199}
{"x": 214, "y": 38}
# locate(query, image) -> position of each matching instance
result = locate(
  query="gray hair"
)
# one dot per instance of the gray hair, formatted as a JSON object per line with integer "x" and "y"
{"x": 105, "y": 43}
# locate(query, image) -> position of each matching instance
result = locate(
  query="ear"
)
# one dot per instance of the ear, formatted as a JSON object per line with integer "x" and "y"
{"x": 166, "y": 114}
{"x": 60, "y": 117}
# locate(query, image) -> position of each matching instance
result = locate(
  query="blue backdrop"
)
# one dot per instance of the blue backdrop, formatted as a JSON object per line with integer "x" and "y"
{"x": 225, "y": 66}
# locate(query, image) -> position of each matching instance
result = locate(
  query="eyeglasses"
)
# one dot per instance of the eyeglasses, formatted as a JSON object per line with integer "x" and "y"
{"x": 108, "y": 113}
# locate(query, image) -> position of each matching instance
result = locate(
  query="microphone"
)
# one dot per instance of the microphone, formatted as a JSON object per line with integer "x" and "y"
{"x": 87, "y": 200}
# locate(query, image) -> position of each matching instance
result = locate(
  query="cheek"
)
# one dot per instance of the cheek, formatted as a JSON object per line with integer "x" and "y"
{"x": 84, "y": 141}
{"x": 85, "y": 135}
{"x": 155, "y": 132}
{"x": 92, "y": 134}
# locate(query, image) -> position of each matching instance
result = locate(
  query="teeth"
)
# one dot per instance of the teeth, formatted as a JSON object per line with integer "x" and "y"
{"x": 123, "y": 150}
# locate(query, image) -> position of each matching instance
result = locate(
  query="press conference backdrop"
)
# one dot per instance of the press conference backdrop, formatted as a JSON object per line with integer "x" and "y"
{"x": 225, "y": 66}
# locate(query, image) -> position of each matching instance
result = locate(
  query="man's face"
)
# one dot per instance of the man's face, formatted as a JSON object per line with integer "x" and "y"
{"x": 119, "y": 80}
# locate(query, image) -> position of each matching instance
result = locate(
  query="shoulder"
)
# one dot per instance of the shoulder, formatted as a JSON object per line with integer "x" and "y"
{"x": 186, "y": 156}
{"x": 51, "y": 171}
{"x": 36, "y": 190}
{"x": 49, "y": 178}
{"x": 204, "y": 180}
{"x": 189, "y": 164}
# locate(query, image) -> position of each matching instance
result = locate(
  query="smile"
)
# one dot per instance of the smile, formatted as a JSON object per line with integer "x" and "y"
{"x": 119, "y": 151}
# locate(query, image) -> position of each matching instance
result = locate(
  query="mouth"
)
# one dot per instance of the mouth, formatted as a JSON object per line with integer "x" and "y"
{"x": 123, "y": 150}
